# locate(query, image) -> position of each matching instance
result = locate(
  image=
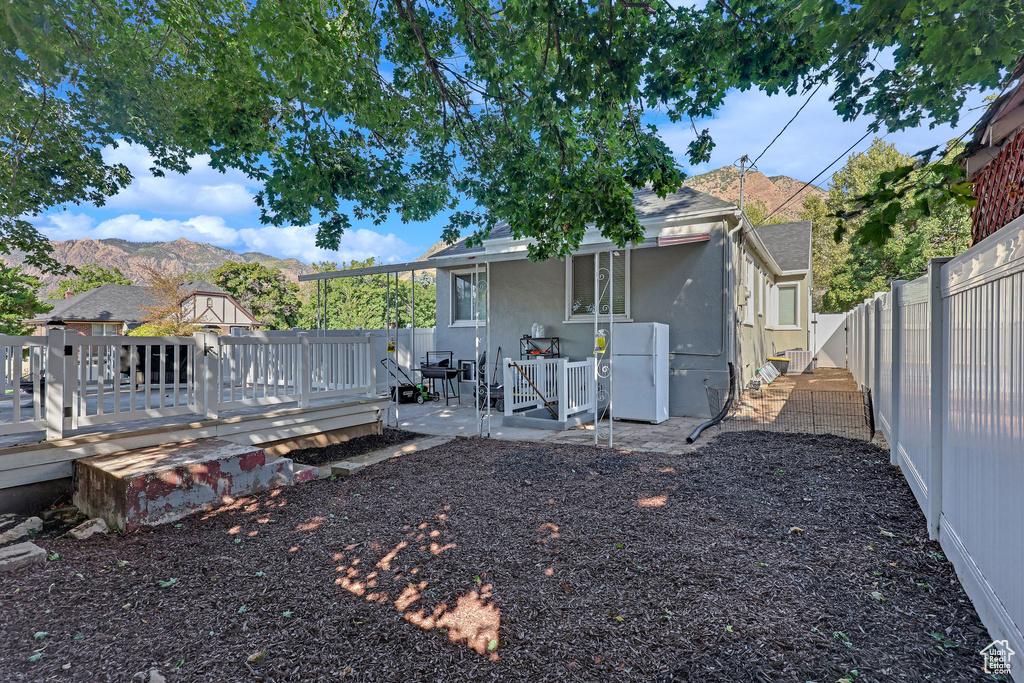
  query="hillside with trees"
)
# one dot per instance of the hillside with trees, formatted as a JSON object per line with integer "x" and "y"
{"x": 850, "y": 269}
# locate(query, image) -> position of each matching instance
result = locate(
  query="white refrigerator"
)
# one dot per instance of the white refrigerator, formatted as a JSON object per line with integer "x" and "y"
{"x": 640, "y": 371}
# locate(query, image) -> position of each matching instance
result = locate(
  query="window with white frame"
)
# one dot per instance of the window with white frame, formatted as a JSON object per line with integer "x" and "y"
{"x": 761, "y": 280}
{"x": 467, "y": 294}
{"x": 748, "y": 283}
{"x": 788, "y": 307}
{"x": 106, "y": 329}
{"x": 579, "y": 278}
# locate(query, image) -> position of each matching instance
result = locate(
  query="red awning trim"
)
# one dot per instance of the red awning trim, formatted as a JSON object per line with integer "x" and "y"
{"x": 668, "y": 241}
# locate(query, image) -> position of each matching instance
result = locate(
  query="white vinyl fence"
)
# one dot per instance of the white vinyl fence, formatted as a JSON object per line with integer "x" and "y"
{"x": 944, "y": 358}
{"x": 405, "y": 342}
{"x": 568, "y": 385}
{"x": 65, "y": 381}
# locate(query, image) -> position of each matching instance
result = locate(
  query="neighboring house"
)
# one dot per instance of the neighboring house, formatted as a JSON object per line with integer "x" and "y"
{"x": 995, "y": 161}
{"x": 726, "y": 289}
{"x": 116, "y": 309}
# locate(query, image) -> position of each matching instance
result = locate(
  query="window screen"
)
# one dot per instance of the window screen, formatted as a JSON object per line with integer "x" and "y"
{"x": 787, "y": 306}
{"x": 583, "y": 284}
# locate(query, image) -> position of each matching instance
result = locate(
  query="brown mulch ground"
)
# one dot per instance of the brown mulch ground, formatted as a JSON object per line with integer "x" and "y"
{"x": 521, "y": 561}
{"x": 352, "y": 447}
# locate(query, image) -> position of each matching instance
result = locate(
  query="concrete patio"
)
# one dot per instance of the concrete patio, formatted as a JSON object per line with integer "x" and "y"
{"x": 460, "y": 420}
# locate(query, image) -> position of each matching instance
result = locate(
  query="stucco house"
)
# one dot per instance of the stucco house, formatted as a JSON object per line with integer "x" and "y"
{"x": 728, "y": 290}
{"x": 117, "y": 309}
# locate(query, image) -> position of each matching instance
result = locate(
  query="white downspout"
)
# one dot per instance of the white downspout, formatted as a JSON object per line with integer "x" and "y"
{"x": 730, "y": 291}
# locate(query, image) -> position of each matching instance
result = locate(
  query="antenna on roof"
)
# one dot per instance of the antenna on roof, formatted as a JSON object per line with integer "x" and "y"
{"x": 742, "y": 163}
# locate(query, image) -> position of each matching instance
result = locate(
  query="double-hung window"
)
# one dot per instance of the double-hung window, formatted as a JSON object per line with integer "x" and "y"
{"x": 612, "y": 290}
{"x": 788, "y": 308}
{"x": 468, "y": 294}
{"x": 106, "y": 329}
{"x": 748, "y": 282}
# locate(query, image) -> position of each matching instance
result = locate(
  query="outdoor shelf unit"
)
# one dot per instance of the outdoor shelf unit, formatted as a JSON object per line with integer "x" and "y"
{"x": 539, "y": 347}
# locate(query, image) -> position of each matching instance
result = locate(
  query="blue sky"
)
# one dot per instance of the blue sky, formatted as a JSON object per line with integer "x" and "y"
{"x": 208, "y": 206}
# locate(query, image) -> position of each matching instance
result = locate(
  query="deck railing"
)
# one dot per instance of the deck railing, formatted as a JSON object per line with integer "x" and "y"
{"x": 117, "y": 379}
{"x": 22, "y": 407}
{"x": 567, "y": 386}
{"x": 65, "y": 381}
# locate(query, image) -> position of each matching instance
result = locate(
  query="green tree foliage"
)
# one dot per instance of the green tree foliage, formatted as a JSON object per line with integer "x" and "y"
{"x": 265, "y": 292}
{"x": 849, "y": 269}
{"x": 19, "y": 299}
{"x": 524, "y": 111}
{"x": 92, "y": 276}
{"x": 758, "y": 213}
{"x": 364, "y": 301}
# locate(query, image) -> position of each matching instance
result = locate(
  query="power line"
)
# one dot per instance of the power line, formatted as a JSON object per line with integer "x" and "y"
{"x": 789, "y": 122}
{"x": 808, "y": 183}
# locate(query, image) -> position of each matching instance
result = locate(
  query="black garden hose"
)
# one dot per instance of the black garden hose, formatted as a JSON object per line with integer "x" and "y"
{"x": 722, "y": 413}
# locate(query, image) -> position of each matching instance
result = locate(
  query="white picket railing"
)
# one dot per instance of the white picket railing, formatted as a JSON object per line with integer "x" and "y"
{"x": 341, "y": 366}
{"x": 568, "y": 386}
{"x": 21, "y": 405}
{"x": 257, "y": 371}
{"x": 579, "y": 388}
{"x": 66, "y": 381}
{"x": 117, "y": 379}
{"x": 944, "y": 358}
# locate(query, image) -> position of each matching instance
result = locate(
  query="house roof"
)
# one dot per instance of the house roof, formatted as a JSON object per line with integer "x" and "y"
{"x": 648, "y": 206}
{"x": 788, "y": 243}
{"x": 202, "y": 286}
{"x": 106, "y": 302}
{"x": 121, "y": 303}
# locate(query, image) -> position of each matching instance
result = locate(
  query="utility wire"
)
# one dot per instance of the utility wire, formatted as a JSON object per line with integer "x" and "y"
{"x": 822, "y": 172}
{"x": 789, "y": 122}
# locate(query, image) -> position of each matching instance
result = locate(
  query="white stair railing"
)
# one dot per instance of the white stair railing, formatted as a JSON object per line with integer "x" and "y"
{"x": 568, "y": 386}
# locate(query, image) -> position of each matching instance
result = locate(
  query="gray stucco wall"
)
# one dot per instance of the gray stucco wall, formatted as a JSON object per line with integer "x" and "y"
{"x": 680, "y": 286}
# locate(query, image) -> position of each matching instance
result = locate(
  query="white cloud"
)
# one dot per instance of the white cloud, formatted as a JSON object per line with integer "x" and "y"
{"x": 283, "y": 242}
{"x": 211, "y": 229}
{"x": 203, "y": 190}
{"x": 300, "y": 242}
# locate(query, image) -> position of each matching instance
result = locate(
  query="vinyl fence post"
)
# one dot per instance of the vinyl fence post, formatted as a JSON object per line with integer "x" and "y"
{"x": 54, "y": 387}
{"x": 876, "y": 371}
{"x": 937, "y": 390}
{"x": 210, "y": 349}
{"x": 305, "y": 370}
{"x": 371, "y": 367}
{"x": 506, "y": 380}
{"x": 563, "y": 389}
{"x": 897, "y": 367}
{"x": 198, "y": 373}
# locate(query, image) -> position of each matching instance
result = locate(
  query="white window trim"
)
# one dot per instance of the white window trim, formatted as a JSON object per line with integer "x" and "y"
{"x": 103, "y": 332}
{"x": 761, "y": 280}
{"x": 589, "y": 317}
{"x": 748, "y": 283}
{"x": 452, "y": 322}
{"x": 775, "y": 307}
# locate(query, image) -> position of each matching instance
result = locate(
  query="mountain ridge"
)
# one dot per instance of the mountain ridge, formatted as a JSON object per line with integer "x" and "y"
{"x": 172, "y": 258}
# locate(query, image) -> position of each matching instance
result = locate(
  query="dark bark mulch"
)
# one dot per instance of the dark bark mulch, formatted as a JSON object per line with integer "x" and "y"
{"x": 761, "y": 557}
{"x": 352, "y": 447}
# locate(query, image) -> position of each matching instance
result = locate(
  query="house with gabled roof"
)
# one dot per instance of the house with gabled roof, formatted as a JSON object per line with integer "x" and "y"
{"x": 117, "y": 309}
{"x": 729, "y": 292}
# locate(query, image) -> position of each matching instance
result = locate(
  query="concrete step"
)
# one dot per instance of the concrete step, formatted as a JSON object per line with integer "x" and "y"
{"x": 161, "y": 484}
